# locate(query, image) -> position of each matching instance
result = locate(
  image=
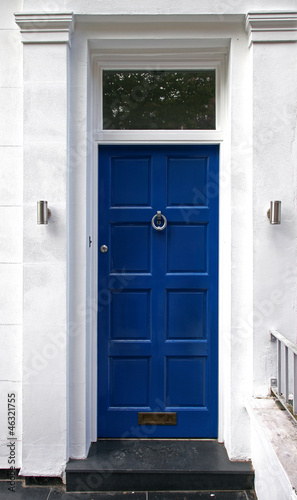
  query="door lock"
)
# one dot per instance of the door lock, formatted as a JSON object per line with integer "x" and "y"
{"x": 103, "y": 248}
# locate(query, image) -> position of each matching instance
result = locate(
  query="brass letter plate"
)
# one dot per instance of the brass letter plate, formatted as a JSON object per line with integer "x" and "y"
{"x": 157, "y": 418}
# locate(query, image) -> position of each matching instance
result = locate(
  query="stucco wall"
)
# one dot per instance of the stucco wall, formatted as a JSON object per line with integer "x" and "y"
{"x": 45, "y": 361}
{"x": 275, "y": 166}
{"x": 158, "y": 7}
{"x": 11, "y": 222}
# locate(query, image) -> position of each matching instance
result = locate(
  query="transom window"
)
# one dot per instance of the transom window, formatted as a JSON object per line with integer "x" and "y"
{"x": 159, "y": 100}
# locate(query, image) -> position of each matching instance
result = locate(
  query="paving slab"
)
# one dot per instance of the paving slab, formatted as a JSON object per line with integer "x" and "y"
{"x": 21, "y": 493}
{"x": 201, "y": 495}
{"x": 44, "y": 493}
{"x": 62, "y": 495}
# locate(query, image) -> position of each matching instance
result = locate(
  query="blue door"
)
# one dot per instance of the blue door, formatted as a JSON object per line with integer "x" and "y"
{"x": 158, "y": 291}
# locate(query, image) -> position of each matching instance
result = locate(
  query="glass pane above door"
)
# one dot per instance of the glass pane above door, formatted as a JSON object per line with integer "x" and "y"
{"x": 159, "y": 100}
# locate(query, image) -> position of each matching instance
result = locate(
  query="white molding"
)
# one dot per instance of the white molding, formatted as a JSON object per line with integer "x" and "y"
{"x": 181, "y": 19}
{"x": 159, "y": 137}
{"x": 45, "y": 27}
{"x": 199, "y": 59}
{"x": 271, "y": 27}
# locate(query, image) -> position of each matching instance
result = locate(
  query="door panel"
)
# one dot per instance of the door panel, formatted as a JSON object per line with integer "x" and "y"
{"x": 158, "y": 290}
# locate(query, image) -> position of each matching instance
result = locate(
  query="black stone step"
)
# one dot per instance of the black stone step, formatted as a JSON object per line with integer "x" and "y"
{"x": 158, "y": 465}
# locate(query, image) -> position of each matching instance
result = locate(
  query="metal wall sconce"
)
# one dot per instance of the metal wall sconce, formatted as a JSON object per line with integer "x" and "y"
{"x": 43, "y": 213}
{"x": 274, "y": 212}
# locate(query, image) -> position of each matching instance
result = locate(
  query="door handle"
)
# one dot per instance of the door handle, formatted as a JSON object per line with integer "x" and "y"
{"x": 159, "y": 216}
{"x": 103, "y": 248}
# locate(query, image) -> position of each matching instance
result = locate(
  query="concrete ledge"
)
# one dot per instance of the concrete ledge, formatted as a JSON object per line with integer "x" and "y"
{"x": 274, "y": 450}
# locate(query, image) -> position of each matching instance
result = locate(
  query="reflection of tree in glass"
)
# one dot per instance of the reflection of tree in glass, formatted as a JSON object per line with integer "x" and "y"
{"x": 168, "y": 100}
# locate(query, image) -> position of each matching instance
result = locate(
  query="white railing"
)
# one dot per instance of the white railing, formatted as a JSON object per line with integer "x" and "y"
{"x": 288, "y": 345}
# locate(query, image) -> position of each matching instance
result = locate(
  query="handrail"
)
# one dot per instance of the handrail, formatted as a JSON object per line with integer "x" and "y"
{"x": 284, "y": 340}
{"x": 276, "y": 336}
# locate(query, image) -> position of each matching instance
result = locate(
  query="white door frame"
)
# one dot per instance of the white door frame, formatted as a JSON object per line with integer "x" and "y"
{"x": 166, "y": 55}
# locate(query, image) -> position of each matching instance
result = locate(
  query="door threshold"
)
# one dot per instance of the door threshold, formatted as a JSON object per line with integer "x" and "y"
{"x": 157, "y": 439}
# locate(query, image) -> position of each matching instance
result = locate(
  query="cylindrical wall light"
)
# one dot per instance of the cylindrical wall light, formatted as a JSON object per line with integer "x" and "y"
{"x": 274, "y": 212}
{"x": 43, "y": 213}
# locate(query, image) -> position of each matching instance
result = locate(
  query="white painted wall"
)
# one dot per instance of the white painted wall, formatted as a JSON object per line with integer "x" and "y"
{"x": 11, "y": 223}
{"x": 257, "y": 261}
{"x": 45, "y": 344}
{"x": 81, "y": 311}
{"x": 158, "y": 7}
{"x": 240, "y": 177}
{"x": 274, "y": 168}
